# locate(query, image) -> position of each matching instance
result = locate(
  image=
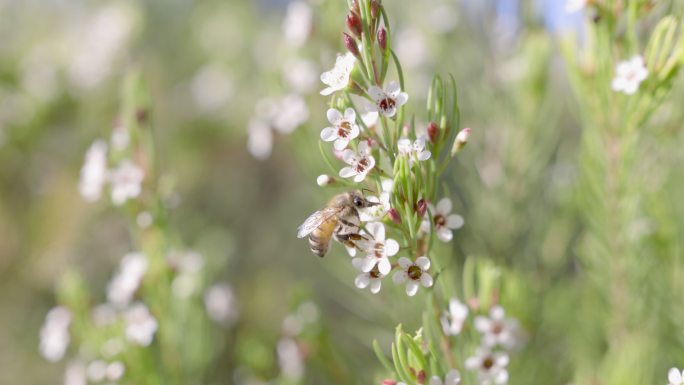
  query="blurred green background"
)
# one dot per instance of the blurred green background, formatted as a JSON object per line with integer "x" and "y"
{"x": 214, "y": 70}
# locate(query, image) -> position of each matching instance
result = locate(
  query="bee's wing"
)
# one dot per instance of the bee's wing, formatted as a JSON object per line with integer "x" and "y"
{"x": 315, "y": 220}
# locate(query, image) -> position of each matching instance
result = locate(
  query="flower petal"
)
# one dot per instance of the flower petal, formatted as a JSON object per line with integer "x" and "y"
{"x": 375, "y": 286}
{"x": 384, "y": 266}
{"x": 393, "y": 89}
{"x": 401, "y": 99}
{"x": 362, "y": 281}
{"x": 404, "y": 263}
{"x": 424, "y": 155}
{"x": 453, "y": 377}
{"x": 348, "y": 156}
{"x": 434, "y": 380}
{"x": 423, "y": 262}
{"x": 376, "y": 230}
{"x": 454, "y": 221}
{"x": 350, "y": 115}
{"x": 391, "y": 247}
{"x": 426, "y": 280}
{"x": 497, "y": 313}
{"x": 368, "y": 264}
{"x": 399, "y": 277}
{"x": 376, "y": 93}
{"x": 444, "y": 234}
{"x": 334, "y": 116}
{"x": 347, "y": 172}
{"x": 444, "y": 206}
{"x": 411, "y": 288}
{"x": 341, "y": 144}
{"x": 674, "y": 376}
{"x": 327, "y": 91}
{"x": 482, "y": 324}
{"x": 328, "y": 134}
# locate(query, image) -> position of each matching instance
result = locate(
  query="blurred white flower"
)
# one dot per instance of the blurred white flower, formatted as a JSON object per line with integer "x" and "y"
{"x": 413, "y": 274}
{"x": 497, "y": 329}
{"x": 75, "y": 373}
{"x": 54, "y": 335}
{"x": 675, "y": 377}
{"x": 112, "y": 347}
{"x": 360, "y": 163}
{"x": 259, "y": 139}
{"x": 378, "y": 212}
{"x": 221, "y": 304}
{"x": 96, "y": 370}
{"x": 290, "y": 359}
{"x": 115, "y": 370}
{"x": 377, "y": 249}
{"x": 574, "y": 5}
{"x": 140, "y": 325}
{"x": 444, "y": 222}
{"x": 144, "y": 219}
{"x": 211, "y": 88}
{"x": 452, "y": 321}
{"x": 443, "y": 17}
{"x": 291, "y": 113}
{"x": 371, "y": 279}
{"x": 415, "y": 151}
{"x": 94, "y": 171}
{"x": 337, "y": 78}
{"x": 120, "y": 137}
{"x": 388, "y": 100}
{"x": 124, "y": 284}
{"x": 301, "y": 75}
{"x": 411, "y": 47}
{"x": 293, "y": 324}
{"x": 103, "y": 314}
{"x": 490, "y": 367}
{"x": 453, "y": 377}
{"x": 297, "y": 23}
{"x": 99, "y": 42}
{"x": 126, "y": 182}
{"x": 343, "y": 129}
{"x": 629, "y": 74}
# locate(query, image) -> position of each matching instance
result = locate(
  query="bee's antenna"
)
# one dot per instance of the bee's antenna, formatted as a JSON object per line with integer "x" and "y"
{"x": 369, "y": 190}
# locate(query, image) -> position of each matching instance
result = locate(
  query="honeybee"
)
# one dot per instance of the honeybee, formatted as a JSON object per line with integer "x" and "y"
{"x": 338, "y": 219}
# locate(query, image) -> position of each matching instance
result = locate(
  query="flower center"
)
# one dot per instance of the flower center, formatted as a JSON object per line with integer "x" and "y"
{"x": 386, "y": 104}
{"x": 379, "y": 250}
{"x": 343, "y": 129}
{"x": 497, "y": 327}
{"x": 375, "y": 273}
{"x": 414, "y": 272}
{"x": 362, "y": 165}
{"x": 488, "y": 363}
{"x": 440, "y": 221}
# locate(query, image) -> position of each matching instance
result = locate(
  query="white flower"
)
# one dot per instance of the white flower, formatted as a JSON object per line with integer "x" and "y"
{"x": 115, "y": 370}
{"x": 444, "y": 222}
{"x": 413, "y": 274}
{"x": 378, "y": 250}
{"x": 96, "y": 370}
{"x": 290, "y": 359}
{"x": 297, "y": 23}
{"x": 140, "y": 325}
{"x": 75, "y": 373}
{"x": 301, "y": 75}
{"x": 389, "y": 100}
{"x": 212, "y": 88}
{"x": 497, "y": 329}
{"x": 291, "y": 112}
{"x": 324, "y": 180}
{"x": 360, "y": 163}
{"x": 94, "y": 171}
{"x": 337, "y": 78}
{"x": 371, "y": 279}
{"x": 675, "y": 377}
{"x": 415, "y": 151}
{"x": 452, "y": 320}
{"x": 451, "y": 378}
{"x": 124, "y": 284}
{"x": 343, "y": 130}
{"x": 221, "y": 304}
{"x": 629, "y": 74}
{"x": 490, "y": 367}
{"x": 259, "y": 139}
{"x": 54, "y": 335}
{"x": 574, "y": 5}
{"x": 377, "y": 212}
{"x": 126, "y": 182}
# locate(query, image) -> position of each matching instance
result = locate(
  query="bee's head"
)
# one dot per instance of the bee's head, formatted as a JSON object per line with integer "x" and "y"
{"x": 357, "y": 200}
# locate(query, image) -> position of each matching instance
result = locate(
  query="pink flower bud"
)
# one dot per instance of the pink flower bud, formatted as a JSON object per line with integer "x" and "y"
{"x": 421, "y": 377}
{"x": 461, "y": 141}
{"x": 432, "y": 131}
{"x": 382, "y": 38}
{"x": 375, "y": 8}
{"x": 354, "y": 24}
{"x": 421, "y": 208}
{"x": 389, "y": 382}
{"x": 394, "y": 215}
{"x": 350, "y": 44}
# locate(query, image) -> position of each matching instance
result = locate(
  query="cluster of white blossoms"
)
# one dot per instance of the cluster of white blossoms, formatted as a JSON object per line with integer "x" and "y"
{"x": 629, "y": 74}
{"x": 125, "y": 178}
{"x": 443, "y": 221}
{"x": 675, "y": 377}
{"x": 54, "y": 335}
{"x": 498, "y": 334}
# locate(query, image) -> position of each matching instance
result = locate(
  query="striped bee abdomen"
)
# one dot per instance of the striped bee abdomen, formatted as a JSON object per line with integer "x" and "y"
{"x": 319, "y": 239}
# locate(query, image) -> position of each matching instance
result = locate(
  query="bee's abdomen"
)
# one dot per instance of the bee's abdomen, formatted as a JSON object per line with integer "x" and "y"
{"x": 319, "y": 239}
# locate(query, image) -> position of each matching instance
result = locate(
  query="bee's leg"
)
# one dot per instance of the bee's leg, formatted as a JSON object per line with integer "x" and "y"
{"x": 350, "y": 239}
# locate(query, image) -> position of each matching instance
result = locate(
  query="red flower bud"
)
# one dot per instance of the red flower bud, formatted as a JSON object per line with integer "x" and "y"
{"x": 432, "y": 131}
{"x": 354, "y": 24}
{"x": 375, "y": 8}
{"x": 350, "y": 44}
{"x": 382, "y": 38}
{"x": 421, "y": 208}
{"x": 394, "y": 215}
{"x": 421, "y": 377}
